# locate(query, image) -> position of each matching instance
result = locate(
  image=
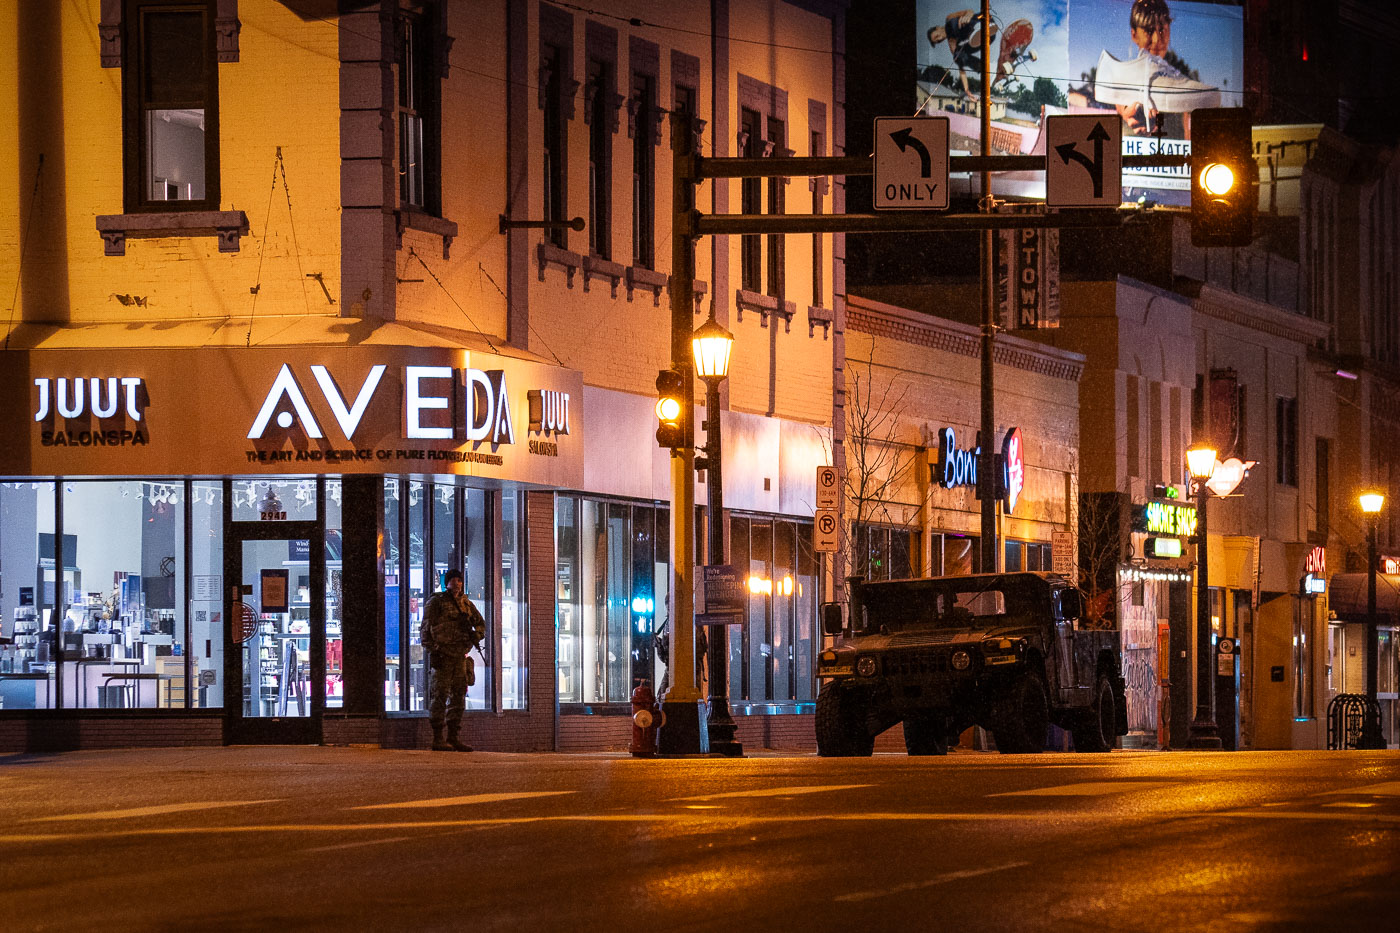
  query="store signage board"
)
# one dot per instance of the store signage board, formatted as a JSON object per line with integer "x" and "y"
{"x": 1165, "y": 517}
{"x": 827, "y": 484}
{"x": 911, "y": 164}
{"x": 368, "y": 409}
{"x": 723, "y": 592}
{"x": 825, "y": 530}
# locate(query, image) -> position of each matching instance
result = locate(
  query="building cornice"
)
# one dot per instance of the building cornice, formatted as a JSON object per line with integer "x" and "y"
{"x": 878, "y": 319}
{"x": 1257, "y": 315}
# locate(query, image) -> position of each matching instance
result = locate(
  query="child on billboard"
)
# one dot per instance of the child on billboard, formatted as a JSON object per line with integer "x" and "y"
{"x": 1145, "y": 88}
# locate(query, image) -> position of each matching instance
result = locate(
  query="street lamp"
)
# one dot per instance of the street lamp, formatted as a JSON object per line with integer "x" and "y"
{"x": 711, "y": 345}
{"x": 1200, "y": 462}
{"x": 1371, "y": 503}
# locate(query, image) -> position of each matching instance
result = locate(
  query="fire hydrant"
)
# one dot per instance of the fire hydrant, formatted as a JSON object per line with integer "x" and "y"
{"x": 647, "y": 720}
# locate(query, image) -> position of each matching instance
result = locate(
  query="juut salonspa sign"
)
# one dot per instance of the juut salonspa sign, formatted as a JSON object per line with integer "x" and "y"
{"x": 334, "y": 410}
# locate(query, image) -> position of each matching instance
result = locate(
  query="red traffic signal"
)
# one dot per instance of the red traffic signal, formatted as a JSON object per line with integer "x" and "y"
{"x": 1224, "y": 174}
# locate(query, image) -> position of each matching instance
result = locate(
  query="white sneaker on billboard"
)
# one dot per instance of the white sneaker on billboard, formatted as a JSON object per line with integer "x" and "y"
{"x": 1150, "y": 82}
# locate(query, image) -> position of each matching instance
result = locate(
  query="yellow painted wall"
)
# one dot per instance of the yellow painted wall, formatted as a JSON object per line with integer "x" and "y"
{"x": 282, "y": 92}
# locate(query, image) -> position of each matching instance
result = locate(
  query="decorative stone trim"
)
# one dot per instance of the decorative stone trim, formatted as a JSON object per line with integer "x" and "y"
{"x": 550, "y": 255}
{"x": 698, "y": 290}
{"x": 407, "y": 218}
{"x": 116, "y": 229}
{"x": 595, "y": 267}
{"x": 823, "y": 316}
{"x": 765, "y": 305}
{"x": 654, "y": 282}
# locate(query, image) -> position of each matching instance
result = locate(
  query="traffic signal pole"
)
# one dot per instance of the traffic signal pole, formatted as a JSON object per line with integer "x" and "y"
{"x": 686, "y": 729}
{"x": 986, "y": 450}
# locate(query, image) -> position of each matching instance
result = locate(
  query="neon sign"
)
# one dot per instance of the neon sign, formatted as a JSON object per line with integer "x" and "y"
{"x": 1169, "y": 518}
{"x": 1013, "y": 467}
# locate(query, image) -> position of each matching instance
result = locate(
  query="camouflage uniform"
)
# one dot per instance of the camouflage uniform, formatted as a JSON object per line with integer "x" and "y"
{"x": 453, "y": 626}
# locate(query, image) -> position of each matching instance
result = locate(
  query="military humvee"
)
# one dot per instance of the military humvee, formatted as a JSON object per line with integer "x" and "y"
{"x": 1004, "y": 651}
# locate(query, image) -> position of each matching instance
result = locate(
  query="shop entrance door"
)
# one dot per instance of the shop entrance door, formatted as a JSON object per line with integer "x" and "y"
{"x": 276, "y": 607}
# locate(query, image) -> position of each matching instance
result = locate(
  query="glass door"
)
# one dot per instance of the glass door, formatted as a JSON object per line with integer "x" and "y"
{"x": 277, "y": 630}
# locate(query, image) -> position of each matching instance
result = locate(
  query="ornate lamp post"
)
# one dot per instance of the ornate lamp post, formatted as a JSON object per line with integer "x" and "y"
{"x": 1200, "y": 462}
{"x": 1371, "y": 503}
{"x": 711, "y": 346}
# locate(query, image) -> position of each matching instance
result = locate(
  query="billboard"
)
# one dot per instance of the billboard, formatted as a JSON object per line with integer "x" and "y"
{"x": 1151, "y": 61}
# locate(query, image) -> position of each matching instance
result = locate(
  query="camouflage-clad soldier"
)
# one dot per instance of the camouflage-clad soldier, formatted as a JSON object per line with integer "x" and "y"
{"x": 451, "y": 627}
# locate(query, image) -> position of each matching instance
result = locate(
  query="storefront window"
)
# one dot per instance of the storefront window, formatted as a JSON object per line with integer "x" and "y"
{"x": 418, "y": 593}
{"x": 568, "y": 632}
{"x": 515, "y": 641}
{"x": 392, "y": 627}
{"x": 205, "y": 600}
{"x": 335, "y": 655}
{"x": 885, "y": 553}
{"x": 960, "y": 555}
{"x": 27, "y": 679}
{"x": 1302, "y": 660}
{"x": 612, "y": 580}
{"x": 771, "y": 655}
{"x": 479, "y": 578}
{"x": 269, "y": 500}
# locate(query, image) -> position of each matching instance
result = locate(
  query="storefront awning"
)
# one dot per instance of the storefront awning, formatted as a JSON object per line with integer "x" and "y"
{"x": 1347, "y": 597}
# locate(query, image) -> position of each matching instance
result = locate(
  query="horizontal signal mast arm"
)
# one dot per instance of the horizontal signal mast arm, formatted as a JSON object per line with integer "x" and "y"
{"x": 896, "y": 222}
{"x": 817, "y": 166}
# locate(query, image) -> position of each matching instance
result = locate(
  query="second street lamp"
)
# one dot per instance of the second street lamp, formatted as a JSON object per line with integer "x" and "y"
{"x": 1371, "y": 504}
{"x": 1204, "y": 733}
{"x": 711, "y": 346}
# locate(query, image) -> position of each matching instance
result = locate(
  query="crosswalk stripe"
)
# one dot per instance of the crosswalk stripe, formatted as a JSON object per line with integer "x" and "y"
{"x": 1086, "y": 789}
{"x": 135, "y": 812}
{"x": 774, "y": 791}
{"x": 1388, "y": 789}
{"x": 463, "y": 801}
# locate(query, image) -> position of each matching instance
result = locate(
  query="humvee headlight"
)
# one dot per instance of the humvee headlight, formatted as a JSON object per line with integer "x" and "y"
{"x": 961, "y": 660}
{"x": 865, "y": 667}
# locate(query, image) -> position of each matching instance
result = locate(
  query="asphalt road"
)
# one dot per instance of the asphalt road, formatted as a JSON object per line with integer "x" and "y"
{"x": 339, "y": 838}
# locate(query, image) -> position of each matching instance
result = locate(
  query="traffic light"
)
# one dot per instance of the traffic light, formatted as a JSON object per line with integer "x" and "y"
{"x": 670, "y": 409}
{"x": 1223, "y": 176}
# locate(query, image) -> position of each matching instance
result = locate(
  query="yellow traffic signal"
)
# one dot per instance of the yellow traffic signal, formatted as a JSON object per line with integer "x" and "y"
{"x": 670, "y": 409}
{"x": 1223, "y": 172}
{"x": 1217, "y": 179}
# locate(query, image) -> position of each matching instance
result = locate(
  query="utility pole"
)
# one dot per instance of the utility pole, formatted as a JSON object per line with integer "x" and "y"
{"x": 986, "y": 460}
{"x": 686, "y": 731}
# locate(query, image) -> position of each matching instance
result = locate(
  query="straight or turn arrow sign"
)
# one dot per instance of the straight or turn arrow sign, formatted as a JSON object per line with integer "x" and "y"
{"x": 1084, "y": 160}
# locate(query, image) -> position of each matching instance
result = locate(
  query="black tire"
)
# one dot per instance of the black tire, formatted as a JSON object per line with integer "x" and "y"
{"x": 1023, "y": 716}
{"x": 926, "y": 734}
{"x": 841, "y": 730}
{"x": 1097, "y": 727}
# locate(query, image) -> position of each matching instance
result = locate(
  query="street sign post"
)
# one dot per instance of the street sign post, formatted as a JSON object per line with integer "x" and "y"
{"x": 824, "y": 531}
{"x": 827, "y": 482}
{"x": 911, "y": 163}
{"x": 1083, "y": 161}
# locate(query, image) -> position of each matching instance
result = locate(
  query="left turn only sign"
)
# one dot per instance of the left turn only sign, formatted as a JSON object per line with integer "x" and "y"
{"x": 911, "y": 163}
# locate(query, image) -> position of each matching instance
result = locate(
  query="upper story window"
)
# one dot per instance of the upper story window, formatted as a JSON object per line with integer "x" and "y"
{"x": 419, "y": 98}
{"x": 554, "y": 151}
{"x": 600, "y": 94}
{"x": 170, "y": 99}
{"x": 1286, "y": 441}
{"x": 643, "y": 171}
{"x": 751, "y": 202}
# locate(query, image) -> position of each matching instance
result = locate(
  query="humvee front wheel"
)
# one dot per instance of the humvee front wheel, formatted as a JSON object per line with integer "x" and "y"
{"x": 841, "y": 731}
{"x": 926, "y": 734}
{"x": 1023, "y": 716}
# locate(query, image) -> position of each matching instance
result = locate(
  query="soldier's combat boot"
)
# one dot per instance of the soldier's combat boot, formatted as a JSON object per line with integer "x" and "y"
{"x": 438, "y": 744}
{"x": 453, "y": 742}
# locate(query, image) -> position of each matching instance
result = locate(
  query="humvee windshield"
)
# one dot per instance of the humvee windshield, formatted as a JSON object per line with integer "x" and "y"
{"x": 954, "y": 603}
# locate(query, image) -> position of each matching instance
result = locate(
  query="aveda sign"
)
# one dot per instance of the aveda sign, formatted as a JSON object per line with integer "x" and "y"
{"x": 316, "y": 409}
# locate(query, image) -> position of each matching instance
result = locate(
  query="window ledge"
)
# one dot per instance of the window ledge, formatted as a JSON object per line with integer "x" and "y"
{"x": 765, "y": 305}
{"x": 642, "y": 277}
{"x": 116, "y": 229}
{"x": 551, "y": 255}
{"x": 823, "y": 316}
{"x": 597, "y": 267}
{"x": 408, "y": 218}
{"x": 698, "y": 290}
